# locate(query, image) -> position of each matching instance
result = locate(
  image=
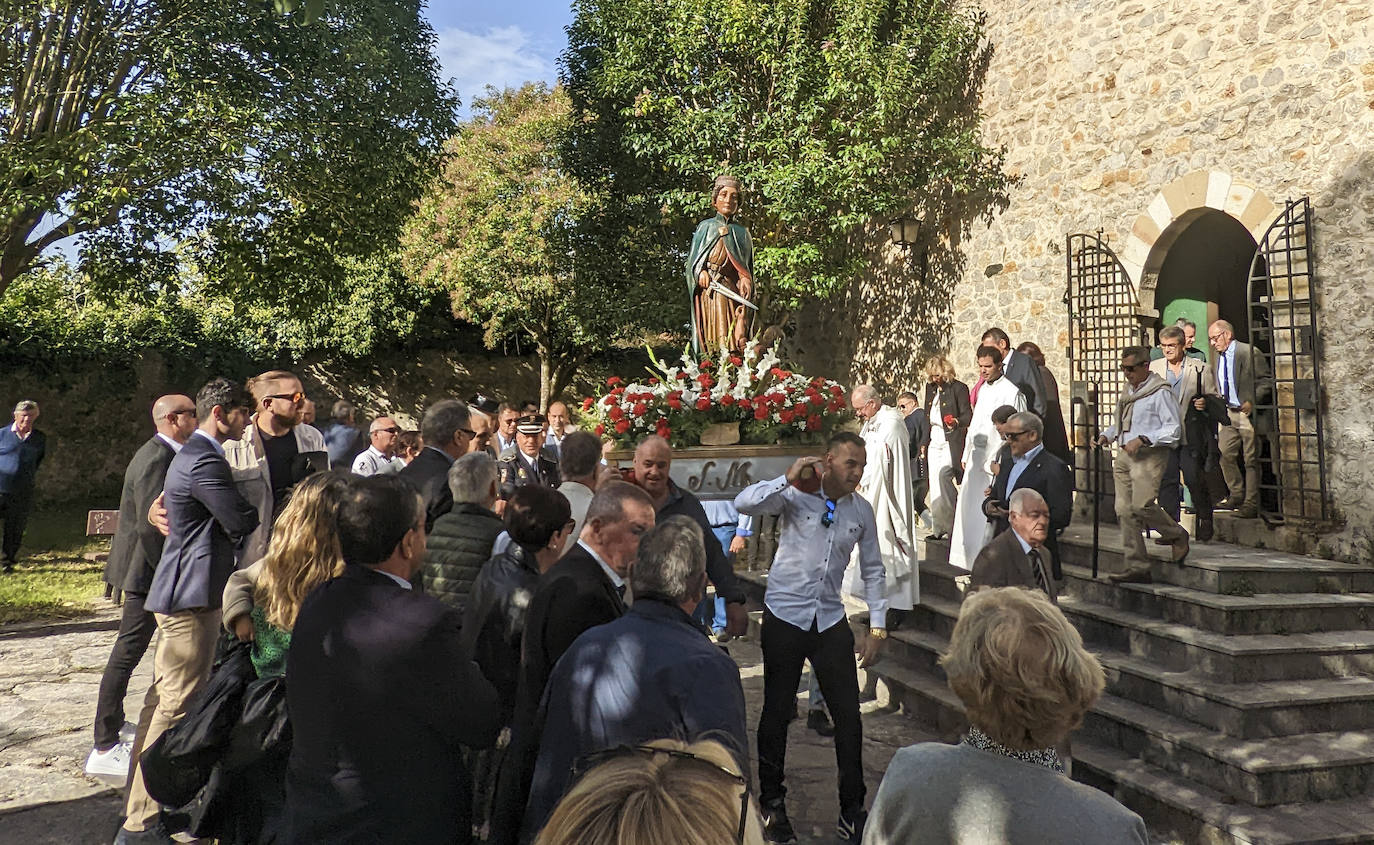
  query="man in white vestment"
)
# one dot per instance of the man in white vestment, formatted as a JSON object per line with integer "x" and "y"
{"x": 971, "y": 528}
{"x": 886, "y": 485}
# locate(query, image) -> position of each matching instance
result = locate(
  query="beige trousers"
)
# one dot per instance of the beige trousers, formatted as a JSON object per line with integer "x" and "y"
{"x": 181, "y": 665}
{"x": 1137, "y": 501}
{"x": 1236, "y": 442}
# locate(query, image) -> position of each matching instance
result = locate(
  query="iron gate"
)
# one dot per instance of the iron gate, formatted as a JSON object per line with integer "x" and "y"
{"x": 1104, "y": 318}
{"x": 1283, "y": 327}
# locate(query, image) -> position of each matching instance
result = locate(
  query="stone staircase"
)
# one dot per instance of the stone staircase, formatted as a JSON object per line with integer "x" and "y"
{"x": 1240, "y": 688}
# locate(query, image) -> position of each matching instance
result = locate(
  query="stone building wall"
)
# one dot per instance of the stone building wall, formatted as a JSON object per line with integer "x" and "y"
{"x": 1126, "y": 116}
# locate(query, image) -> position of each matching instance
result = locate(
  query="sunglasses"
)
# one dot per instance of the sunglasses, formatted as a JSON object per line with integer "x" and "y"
{"x": 469, "y": 432}
{"x": 1012, "y": 435}
{"x": 829, "y": 518}
{"x": 294, "y": 398}
{"x": 390, "y": 430}
{"x": 1126, "y": 368}
{"x": 590, "y": 761}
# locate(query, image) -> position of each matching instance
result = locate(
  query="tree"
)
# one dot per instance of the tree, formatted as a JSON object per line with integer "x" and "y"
{"x": 258, "y": 149}
{"x": 835, "y": 115}
{"x": 515, "y": 240}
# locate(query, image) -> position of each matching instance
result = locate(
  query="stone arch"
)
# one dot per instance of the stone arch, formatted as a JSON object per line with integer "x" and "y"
{"x": 1178, "y": 204}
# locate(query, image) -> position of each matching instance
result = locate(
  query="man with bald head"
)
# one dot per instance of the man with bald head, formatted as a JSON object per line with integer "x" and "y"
{"x": 653, "y": 462}
{"x": 1243, "y": 380}
{"x": 134, "y": 554}
{"x": 886, "y": 485}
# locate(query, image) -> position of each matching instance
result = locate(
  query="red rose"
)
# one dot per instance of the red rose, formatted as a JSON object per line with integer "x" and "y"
{"x": 736, "y": 360}
{"x": 727, "y": 400}
{"x": 800, "y": 411}
{"x": 704, "y": 403}
{"x": 705, "y": 364}
{"x": 836, "y": 390}
{"x": 813, "y": 423}
{"x": 587, "y": 404}
{"x": 786, "y": 416}
{"x": 776, "y": 372}
{"x": 609, "y": 400}
{"x": 705, "y": 380}
{"x": 760, "y": 413}
{"x": 681, "y": 375}
{"x": 616, "y": 413}
{"x": 599, "y": 430}
{"x": 613, "y": 381}
{"x": 616, "y": 391}
{"x": 835, "y": 406}
{"x": 745, "y": 405}
{"x": 776, "y": 397}
{"x": 666, "y": 433}
{"x": 640, "y": 409}
{"x": 817, "y": 399}
{"x": 675, "y": 400}
{"x": 785, "y": 374}
{"x": 622, "y": 426}
{"x": 950, "y": 420}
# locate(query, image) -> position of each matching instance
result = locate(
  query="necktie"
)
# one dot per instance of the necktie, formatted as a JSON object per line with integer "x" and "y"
{"x": 1225, "y": 380}
{"x": 621, "y": 591}
{"x": 1040, "y": 580}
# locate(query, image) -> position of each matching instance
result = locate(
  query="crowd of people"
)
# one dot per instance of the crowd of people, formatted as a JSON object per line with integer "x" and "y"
{"x": 481, "y": 631}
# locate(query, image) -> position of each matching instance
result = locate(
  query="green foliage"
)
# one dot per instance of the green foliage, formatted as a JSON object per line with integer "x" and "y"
{"x": 265, "y": 151}
{"x": 509, "y": 233}
{"x": 835, "y": 115}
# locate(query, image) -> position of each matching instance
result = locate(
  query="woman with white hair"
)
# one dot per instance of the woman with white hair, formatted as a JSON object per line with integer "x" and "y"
{"x": 1025, "y": 679}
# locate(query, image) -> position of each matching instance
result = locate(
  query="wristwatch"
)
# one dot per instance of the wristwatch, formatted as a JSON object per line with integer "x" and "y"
{"x": 1145, "y": 441}
{"x": 878, "y": 633}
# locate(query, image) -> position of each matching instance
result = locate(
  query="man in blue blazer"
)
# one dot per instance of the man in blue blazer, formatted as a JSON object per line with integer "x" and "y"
{"x": 207, "y": 517}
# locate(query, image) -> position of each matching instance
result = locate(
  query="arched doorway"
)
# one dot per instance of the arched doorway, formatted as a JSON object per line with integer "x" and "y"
{"x": 1204, "y": 265}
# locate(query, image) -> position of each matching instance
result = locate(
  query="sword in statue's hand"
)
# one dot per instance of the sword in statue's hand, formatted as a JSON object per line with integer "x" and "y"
{"x": 729, "y": 294}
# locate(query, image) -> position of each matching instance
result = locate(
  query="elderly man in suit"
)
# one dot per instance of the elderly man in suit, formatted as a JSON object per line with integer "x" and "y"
{"x": 22, "y": 448}
{"x": 134, "y": 555}
{"x": 584, "y": 589}
{"x": 1243, "y": 381}
{"x": 207, "y": 517}
{"x": 679, "y": 683}
{"x": 1018, "y": 556}
{"x": 446, "y": 431}
{"x": 1191, "y": 380}
{"x": 1020, "y": 370}
{"x": 1032, "y": 468}
{"x": 382, "y": 695}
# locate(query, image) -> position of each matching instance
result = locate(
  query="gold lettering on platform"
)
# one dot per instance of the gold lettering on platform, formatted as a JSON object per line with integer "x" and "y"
{"x": 735, "y": 478}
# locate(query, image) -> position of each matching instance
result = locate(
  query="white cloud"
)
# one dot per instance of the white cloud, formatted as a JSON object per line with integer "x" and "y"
{"x": 503, "y": 57}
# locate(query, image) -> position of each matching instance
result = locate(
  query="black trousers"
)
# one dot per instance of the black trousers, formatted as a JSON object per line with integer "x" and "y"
{"x": 14, "y": 509}
{"x": 1192, "y": 460}
{"x": 136, "y": 629}
{"x": 831, "y": 652}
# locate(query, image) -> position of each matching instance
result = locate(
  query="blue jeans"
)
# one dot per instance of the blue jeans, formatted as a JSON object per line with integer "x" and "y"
{"x": 711, "y": 611}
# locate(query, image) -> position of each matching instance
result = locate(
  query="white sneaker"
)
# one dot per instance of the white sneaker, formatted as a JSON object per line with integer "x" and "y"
{"x": 128, "y": 732}
{"x": 113, "y": 762}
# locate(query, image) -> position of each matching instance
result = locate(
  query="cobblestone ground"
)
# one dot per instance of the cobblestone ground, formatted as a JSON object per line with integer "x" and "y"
{"x": 49, "y": 675}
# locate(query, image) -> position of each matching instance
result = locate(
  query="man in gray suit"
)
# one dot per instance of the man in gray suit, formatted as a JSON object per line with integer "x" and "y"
{"x": 1018, "y": 557}
{"x": 1243, "y": 380}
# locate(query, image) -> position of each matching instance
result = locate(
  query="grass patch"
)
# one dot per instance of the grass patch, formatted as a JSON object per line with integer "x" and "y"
{"x": 52, "y": 579}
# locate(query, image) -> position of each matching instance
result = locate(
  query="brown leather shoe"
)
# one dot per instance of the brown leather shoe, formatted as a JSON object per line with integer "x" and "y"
{"x": 1181, "y": 549}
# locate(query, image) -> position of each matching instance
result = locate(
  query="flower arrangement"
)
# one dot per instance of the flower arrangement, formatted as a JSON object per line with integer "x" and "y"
{"x": 772, "y": 404}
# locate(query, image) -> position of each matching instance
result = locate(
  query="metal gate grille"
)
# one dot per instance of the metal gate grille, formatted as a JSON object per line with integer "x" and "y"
{"x": 1103, "y": 320}
{"x": 1283, "y": 327}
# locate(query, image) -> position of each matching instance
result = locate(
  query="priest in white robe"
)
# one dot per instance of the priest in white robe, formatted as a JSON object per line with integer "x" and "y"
{"x": 886, "y": 485}
{"x": 971, "y": 528}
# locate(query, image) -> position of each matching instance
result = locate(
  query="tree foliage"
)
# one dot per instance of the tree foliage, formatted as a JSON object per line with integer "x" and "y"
{"x": 518, "y": 242}
{"x": 835, "y": 115}
{"x": 217, "y": 134}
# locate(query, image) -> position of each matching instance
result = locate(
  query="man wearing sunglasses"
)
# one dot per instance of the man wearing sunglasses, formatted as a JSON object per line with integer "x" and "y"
{"x": 1031, "y": 468}
{"x": 380, "y": 457}
{"x": 276, "y": 451}
{"x": 804, "y": 618}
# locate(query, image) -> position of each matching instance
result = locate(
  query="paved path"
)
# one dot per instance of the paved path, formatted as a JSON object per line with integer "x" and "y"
{"x": 49, "y": 676}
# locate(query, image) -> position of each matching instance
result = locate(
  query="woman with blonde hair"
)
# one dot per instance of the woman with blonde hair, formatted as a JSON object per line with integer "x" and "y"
{"x": 947, "y": 403}
{"x": 1026, "y": 681}
{"x": 660, "y": 792}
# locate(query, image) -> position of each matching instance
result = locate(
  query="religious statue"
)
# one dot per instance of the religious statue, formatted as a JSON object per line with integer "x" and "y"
{"x": 720, "y": 275}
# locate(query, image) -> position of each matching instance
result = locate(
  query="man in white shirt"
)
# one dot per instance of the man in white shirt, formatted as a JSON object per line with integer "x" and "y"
{"x": 804, "y": 618}
{"x": 380, "y": 456}
{"x": 1147, "y": 428}
{"x": 560, "y": 426}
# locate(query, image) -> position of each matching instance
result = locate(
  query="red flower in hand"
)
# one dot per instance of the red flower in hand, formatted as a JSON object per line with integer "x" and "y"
{"x": 622, "y": 426}
{"x": 616, "y": 413}
{"x": 704, "y": 403}
{"x": 813, "y": 423}
{"x": 640, "y": 409}
{"x": 761, "y": 413}
{"x": 950, "y": 420}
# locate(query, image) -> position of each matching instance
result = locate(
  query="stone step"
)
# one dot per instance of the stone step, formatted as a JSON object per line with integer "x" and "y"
{"x": 1266, "y": 613}
{"x": 1261, "y": 772}
{"x": 1180, "y": 810}
{"x": 1247, "y": 711}
{"x": 1241, "y": 658}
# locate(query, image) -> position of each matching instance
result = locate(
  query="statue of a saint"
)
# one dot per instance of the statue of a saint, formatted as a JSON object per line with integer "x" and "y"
{"x": 720, "y": 275}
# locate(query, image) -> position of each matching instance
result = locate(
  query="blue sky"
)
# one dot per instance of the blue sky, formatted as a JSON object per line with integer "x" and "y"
{"x": 498, "y": 42}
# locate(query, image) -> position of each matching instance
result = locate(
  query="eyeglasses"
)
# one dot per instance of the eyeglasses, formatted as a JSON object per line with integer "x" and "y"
{"x": 1216, "y": 336}
{"x": 590, "y": 761}
{"x": 829, "y": 518}
{"x": 294, "y": 398}
{"x": 1012, "y": 435}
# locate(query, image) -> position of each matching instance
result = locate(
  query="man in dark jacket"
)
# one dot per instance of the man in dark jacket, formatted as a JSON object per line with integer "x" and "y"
{"x": 207, "y": 518}
{"x": 528, "y": 463}
{"x": 584, "y": 589}
{"x": 648, "y": 675}
{"x": 134, "y": 554}
{"x": 1032, "y": 467}
{"x": 918, "y": 440}
{"x": 1019, "y": 369}
{"x": 446, "y": 434}
{"x": 461, "y": 541}
{"x": 381, "y": 695}
{"x": 22, "y": 448}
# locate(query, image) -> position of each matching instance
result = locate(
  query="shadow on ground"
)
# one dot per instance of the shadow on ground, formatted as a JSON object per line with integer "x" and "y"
{"x": 92, "y": 820}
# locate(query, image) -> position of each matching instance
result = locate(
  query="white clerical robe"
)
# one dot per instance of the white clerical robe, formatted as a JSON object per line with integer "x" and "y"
{"x": 886, "y": 485}
{"x": 971, "y": 527}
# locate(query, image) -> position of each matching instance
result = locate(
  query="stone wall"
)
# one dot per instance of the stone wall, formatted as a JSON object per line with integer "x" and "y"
{"x": 1125, "y": 116}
